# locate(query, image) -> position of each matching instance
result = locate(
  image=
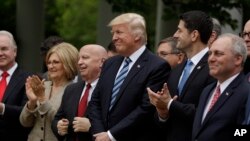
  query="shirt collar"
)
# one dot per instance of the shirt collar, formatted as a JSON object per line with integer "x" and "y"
{"x": 11, "y": 70}
{"x": 137, "y": 53}
{"x": 196, "y": 59}
{"x": 224, "y": 84}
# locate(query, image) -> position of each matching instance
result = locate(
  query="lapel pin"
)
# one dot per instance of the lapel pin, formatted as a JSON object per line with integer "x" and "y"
{"x": 138, "y": 66}
{"x": 199, "y": 67}
{"x": 227, "y": 94}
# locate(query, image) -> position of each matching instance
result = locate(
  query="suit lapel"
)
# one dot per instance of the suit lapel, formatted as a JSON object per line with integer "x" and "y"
{"x": 193, "y": 74}
{"x": 110, "y": 84}
{"x": 228, "y": 92}
{"x": 138, "y": 65}
{"x": 13, "y": 83}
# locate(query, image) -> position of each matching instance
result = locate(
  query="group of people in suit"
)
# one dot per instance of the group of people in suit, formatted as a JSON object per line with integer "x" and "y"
{"x": 134, "y": 95}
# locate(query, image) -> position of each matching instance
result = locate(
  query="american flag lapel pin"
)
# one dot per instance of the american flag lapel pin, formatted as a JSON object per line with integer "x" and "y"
{"x": 138, "y": 66}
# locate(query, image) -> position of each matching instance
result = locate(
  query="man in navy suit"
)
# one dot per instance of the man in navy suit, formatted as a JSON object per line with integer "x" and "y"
{"x": 222, "y": 104}
{"x": 176, "y": 108}
{"x": 67, "y": 124}
{"x": 122, "y": 111}
{"x": 13, "y": 98}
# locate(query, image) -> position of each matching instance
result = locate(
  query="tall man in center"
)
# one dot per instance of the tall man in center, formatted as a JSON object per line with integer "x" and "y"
{"x": 187, "y": 80}
{"x": 120, "y": 108}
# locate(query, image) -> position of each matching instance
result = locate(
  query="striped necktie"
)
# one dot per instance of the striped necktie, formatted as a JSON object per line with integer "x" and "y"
{"x": 118, "y": 81}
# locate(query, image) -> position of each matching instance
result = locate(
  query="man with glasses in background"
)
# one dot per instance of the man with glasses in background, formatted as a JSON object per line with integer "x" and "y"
{"x": 246, "y": 36}
{"x": 167, "y": 50}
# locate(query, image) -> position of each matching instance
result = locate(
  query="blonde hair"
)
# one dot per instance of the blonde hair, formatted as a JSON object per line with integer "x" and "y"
{"x": 136, "y": 24}
{"x": 68, "y": 55}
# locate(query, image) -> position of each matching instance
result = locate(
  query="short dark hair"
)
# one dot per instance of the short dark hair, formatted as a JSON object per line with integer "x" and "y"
{"x": 200, "y": 21}
{"x": 111, "y": 47}
{"x": 48, "y": 43}
{"x": 172, "y": 42}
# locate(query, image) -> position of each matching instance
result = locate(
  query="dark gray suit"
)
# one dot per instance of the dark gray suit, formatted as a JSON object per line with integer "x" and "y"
{"x": 131, "y": 117}
{"x": 182, "y": 111}
{"x": 228, "y": 112}
{"x": 68, "y": 110}
{"x": 14, "y": 100}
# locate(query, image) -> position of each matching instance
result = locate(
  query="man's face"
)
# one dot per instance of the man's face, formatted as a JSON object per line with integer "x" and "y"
{"x": 165, "y": 52}
{"x": 222, "y": 62}
{"x": 246, "y": 36}
{"x": 123, "y": 39}
{"x": 7, "y": 53}
{"x": 89, "y": 63}
{"x": 183, "y": 37}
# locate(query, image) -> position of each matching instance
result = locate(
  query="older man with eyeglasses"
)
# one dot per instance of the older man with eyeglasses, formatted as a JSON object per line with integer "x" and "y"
{"x": 246, "y": 36}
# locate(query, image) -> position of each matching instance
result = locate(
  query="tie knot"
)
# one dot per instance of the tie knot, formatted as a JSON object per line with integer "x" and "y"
{"x": 5, "y": 74}
{"x": 88, "y": 86}
{"x": 189, "y": 63}
{"x": 218, "y": 89}
{"x": 127, "y": 60}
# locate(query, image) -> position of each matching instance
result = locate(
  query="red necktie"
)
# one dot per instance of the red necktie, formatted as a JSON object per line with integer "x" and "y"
{"x": 83, "y": 103}
{"x": 215, "y": 97}
{"x": 3, "y": 84}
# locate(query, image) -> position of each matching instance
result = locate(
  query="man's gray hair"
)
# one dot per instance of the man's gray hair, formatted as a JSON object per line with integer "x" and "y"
{"x": 10, "y": 36}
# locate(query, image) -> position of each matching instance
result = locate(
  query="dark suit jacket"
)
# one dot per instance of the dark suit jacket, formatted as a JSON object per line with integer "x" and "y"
{"x": 132, "y": 115}
{"x": 14, "y": 100}
{"x": 227, "y": 112}
{"x": 68, "y": 110}
{"x": 247, "y": 112}
{"x": 182, "y": 111}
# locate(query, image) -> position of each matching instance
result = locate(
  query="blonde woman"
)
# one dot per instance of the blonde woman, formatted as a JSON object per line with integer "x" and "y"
{"x": 45, "y": 96}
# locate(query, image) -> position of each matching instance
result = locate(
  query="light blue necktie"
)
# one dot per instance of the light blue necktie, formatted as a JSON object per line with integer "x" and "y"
{"x": 186, "y": 73}
{"x": 119, "y": 80}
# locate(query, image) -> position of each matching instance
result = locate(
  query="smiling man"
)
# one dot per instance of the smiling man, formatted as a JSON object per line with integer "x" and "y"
{"x": 222, "y": 104}
{"x": 119, "y": 108}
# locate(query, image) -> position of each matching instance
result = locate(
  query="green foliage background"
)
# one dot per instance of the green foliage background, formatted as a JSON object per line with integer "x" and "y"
{"x": 76, "y": 20}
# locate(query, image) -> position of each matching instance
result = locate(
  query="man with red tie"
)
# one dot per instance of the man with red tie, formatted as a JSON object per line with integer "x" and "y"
{"x": 12, "y": 90}
{"x": 71, "y": 122}
{"x": 222, "y": 104}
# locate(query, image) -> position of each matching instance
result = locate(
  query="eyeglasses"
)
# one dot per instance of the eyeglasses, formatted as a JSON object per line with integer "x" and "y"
{"x": 167, "y": 53}
{"x": 54, "y": 62}
{"x": 244, "y": 34}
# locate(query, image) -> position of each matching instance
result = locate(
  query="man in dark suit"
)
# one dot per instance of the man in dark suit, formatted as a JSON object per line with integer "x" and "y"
{"x": 176, "y": 108}
{"x": 119, "y": 108}
{"x": 12, "y": 95}
{"x": 246, "y": 36}
{"x": 217, "y": 116}
{"x": 68, "y": 124}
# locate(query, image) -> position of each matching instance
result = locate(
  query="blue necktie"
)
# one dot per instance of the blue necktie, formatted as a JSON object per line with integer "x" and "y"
{"x": 119, "y": 80}
{"x": 186, "y": 73}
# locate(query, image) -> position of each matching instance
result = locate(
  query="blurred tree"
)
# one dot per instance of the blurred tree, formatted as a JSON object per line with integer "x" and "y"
{"x": 215, "y": 8}
{"x": 172, "y": 9}
{"x": 50, "y": 15}
{"x": 8, "y": 16}
{"x": 76, "y": 20}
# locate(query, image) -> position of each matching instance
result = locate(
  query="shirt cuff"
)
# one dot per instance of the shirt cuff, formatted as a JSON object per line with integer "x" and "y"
{"x": 111, "y": 137}
{"x": 169, "y": 103}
